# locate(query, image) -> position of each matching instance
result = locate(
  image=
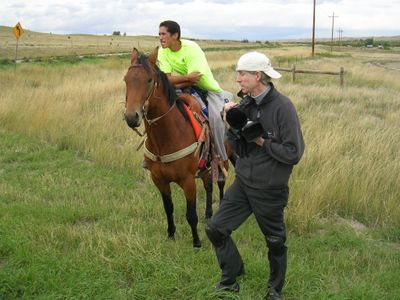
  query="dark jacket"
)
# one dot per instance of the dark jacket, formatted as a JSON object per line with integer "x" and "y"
{"x": 269, "y": 166}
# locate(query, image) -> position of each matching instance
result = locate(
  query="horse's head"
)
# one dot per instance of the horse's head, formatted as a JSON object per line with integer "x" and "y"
{"x": 141, "y": 82}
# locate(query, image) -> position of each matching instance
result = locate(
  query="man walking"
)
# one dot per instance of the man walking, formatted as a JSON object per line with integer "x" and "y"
{"x": 262, "y": 173}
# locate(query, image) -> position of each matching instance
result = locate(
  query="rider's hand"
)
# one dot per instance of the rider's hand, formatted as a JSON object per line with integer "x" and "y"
{"x": 193, "y": 77}
{"x": 229, "y": 105}
{"x": 259, "y": 141}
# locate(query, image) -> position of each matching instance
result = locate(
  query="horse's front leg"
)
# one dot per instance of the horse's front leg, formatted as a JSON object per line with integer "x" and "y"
{"x": 169, "y": 211}
{"x": 165, "y": 191}
{"x": 189, "y": 188}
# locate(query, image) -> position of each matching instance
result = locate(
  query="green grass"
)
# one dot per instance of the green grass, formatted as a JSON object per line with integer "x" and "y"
{"x": 79, "y": 218}
{"x": 73, "y": 229}
{"x": 351, "y": 164}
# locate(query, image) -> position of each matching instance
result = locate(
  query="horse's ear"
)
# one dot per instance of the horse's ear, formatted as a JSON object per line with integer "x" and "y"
{"x": 153, "y": 56}
{"x": 134, "y": 55}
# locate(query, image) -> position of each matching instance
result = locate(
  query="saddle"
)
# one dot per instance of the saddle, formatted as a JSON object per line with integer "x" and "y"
{"x": 208, "y": 157}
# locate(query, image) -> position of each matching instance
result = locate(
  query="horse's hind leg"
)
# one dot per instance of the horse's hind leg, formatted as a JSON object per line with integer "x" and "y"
{"x": 208, "y": 186}
{"x": 221, "y": 185}
{"x": 189, "y": 188}
{"x": 233, "y": 158}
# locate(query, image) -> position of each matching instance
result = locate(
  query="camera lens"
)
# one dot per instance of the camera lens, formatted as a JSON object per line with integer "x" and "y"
{"x": 236, "y": 118}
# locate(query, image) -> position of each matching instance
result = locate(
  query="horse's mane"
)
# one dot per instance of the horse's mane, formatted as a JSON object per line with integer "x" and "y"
{"x": 169, "y": 89}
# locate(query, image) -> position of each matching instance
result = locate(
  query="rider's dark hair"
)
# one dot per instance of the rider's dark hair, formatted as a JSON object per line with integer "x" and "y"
{"x": 172, "y": 27}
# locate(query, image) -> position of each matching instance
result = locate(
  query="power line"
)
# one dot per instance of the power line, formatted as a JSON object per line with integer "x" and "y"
{"x": 333, "y": 25}
{"x": 340, "y": 31}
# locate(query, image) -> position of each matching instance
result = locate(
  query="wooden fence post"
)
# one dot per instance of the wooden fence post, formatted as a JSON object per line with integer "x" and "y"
{"x": 341, "y": 74}
{"x": 293, "y": 72}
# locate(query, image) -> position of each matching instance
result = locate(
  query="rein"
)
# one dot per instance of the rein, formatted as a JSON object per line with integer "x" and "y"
{"x": 151, "y": 121}
{"x": 152, "y": 94}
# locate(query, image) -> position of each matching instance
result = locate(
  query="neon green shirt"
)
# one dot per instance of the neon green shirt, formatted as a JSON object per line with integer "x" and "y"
{"x": 190, "y": 58}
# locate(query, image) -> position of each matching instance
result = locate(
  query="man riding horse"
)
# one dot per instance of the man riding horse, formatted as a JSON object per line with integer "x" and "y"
{"x": 187, "y": 68}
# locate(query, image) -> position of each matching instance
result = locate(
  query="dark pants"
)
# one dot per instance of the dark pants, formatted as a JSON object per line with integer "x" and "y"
{"x": 237, "y": 205}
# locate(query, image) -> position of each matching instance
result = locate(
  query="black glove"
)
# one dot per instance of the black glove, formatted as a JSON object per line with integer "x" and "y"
{"x": 252, "y": 131}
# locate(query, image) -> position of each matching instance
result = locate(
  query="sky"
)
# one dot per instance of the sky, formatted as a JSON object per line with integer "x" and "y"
{"x": 208, "y": 19}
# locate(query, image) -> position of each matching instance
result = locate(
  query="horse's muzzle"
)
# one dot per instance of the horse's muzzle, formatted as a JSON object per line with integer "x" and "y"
{"x": 133, "y": 119}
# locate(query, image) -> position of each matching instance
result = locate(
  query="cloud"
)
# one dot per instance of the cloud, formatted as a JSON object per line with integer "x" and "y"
{"x": 230, "y": 19}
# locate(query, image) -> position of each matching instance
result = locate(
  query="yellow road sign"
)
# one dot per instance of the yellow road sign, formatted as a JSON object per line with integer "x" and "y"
{"x": 18, "y": 31}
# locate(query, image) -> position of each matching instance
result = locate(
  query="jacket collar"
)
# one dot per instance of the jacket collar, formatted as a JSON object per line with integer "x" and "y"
{"x": 247, "y": 100}
{"x": 271, "y": 95}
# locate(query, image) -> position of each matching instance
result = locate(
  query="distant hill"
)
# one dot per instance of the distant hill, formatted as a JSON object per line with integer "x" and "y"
{"x": 34, "y": 44}
{"x": 7, "y": 31}
{"x": 345, "y": 38}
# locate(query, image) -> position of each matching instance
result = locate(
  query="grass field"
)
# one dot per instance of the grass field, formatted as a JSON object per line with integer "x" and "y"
{"x": 81, "y": 220}
{"x": 72, "y": 229}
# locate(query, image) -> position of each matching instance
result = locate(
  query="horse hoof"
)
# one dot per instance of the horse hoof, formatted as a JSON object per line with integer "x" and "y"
{"x": 197, "y": 244}
{"x": 171, "y": 238}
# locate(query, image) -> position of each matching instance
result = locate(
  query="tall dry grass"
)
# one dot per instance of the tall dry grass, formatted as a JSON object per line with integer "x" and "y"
{"x": 351, "y": 165}
{"x": 78, "y": 106}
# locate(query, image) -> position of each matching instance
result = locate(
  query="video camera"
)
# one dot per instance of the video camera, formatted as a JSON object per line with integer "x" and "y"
{"x": 242, "y": 126}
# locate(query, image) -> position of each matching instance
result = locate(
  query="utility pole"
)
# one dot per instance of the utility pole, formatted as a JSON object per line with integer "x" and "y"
{"x": 340, "y": 31}
{"x": 333, "y": 25}
{"x": 313, "y": 31}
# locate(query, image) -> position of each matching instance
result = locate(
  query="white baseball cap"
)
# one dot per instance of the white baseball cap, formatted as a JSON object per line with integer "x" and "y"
{"x": 256, "y": 61}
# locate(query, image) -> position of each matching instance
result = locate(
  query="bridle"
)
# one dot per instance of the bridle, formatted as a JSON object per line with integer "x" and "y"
{"x": 151, "y": 94}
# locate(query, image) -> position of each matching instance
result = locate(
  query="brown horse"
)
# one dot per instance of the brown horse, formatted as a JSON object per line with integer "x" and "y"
{"x": 170, "y": 145}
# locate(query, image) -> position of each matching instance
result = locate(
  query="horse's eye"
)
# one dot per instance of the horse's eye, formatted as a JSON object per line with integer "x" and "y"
{"x": 149, "y": 80}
